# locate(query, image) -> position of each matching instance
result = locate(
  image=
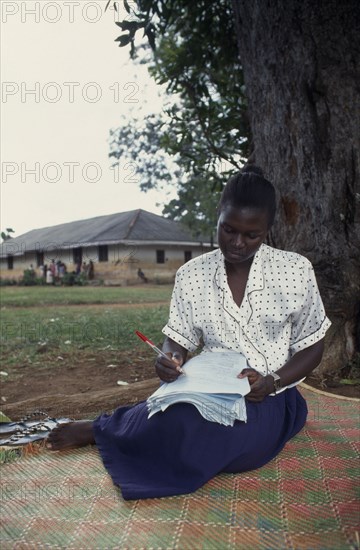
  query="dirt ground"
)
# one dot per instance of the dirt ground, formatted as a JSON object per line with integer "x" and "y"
{"x": 76, "y": 387}
{"x": 96, "y": 382}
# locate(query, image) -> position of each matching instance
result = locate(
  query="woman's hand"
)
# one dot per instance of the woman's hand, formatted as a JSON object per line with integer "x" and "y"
{"x": 168, "y": 370}
{"x": 260, "y": 385}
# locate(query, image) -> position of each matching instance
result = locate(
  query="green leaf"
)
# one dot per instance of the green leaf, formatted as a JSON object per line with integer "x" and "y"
{"x": 131, "y": 26}
{"x": 126, "y": 6}
{"x": 123, "y": 40}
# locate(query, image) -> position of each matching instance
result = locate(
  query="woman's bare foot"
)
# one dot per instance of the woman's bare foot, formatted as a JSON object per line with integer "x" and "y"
{"x": 74, "y": 434}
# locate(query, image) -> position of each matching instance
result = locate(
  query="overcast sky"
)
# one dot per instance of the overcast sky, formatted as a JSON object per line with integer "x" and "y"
{"x": 65, "y": 83}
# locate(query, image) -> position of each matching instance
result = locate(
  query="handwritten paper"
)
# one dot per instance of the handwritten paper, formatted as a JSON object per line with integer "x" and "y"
{"x": 209, "y": 383}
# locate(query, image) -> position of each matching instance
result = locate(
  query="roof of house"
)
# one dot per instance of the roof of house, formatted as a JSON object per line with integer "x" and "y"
{"x": 134, "y": 226}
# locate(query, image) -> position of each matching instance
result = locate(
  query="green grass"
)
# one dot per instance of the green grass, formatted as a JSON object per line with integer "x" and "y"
{"x": 60, "y": 328}
{"x": 45, "y": 295}
{"x": 69, "y": 321}
{"x": 24, "y": 330}
{"x": 9, "y": 455}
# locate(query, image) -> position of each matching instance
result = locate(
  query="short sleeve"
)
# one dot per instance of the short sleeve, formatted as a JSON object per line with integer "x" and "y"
{"x": 180, "y": 326}
{"x": 309, "y": 323}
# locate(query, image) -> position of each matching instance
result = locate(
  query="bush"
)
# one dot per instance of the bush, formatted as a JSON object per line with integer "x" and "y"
{"x": 29, "y": 279}
{"x": 71, "y": 279}
{"x": 8, "y": 282}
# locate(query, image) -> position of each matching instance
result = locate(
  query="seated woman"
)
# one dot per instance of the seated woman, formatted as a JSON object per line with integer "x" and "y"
{"x": 245, "y": 297}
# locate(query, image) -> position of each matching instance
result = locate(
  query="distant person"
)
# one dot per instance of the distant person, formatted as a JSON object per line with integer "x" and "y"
{"x": 49, "y": 277}
{"x": 53, "y": 267}
{"x": 141, "y": 275}
{"x": 90, "y": 270}
{"x": 53, "y": 270}
{"x": 61, "y": 271}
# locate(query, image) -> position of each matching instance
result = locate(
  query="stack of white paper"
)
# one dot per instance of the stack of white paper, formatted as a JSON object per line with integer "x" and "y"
{"x": 209, "y": 383}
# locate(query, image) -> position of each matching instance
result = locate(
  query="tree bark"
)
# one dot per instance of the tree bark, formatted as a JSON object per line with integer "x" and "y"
{"x": 302, "y": 78}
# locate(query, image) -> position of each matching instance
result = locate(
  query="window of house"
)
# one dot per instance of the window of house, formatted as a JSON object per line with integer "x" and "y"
{"x": 10, "y": 261}
{"x": 160, "y": 256}
{"x": 103, "y": 253}
{"x": 187, "y": 255}
{"x": 39, "y": 258}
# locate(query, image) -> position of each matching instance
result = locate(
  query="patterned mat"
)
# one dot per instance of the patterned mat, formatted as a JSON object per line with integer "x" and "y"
{"x": 306, "y": 498}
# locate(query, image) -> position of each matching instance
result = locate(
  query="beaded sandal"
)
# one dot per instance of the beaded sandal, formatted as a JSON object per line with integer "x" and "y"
{"x": 24, "y": 422}
{"x": 25, "y": 431}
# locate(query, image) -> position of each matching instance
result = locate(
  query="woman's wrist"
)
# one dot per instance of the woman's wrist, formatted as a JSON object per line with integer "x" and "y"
{"x": 270, "y": 384}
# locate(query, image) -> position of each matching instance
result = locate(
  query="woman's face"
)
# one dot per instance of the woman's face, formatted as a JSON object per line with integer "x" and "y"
{"x": 241, "y": 231}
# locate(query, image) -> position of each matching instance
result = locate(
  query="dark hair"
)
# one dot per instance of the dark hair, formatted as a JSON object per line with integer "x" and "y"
{"x": 249, "y": 189}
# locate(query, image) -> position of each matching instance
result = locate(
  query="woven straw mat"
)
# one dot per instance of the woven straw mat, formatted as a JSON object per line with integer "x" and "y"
{"x": 306, "y": 498}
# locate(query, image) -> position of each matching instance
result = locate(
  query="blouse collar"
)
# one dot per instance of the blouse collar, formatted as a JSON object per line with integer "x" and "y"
{"x": 255, "y": 282}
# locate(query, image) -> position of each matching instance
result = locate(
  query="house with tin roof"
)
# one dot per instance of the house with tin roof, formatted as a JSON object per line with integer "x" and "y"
{"x": 117, "y": 244}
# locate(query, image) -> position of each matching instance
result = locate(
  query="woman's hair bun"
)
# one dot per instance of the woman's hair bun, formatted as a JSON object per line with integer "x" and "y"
{"x": 250, "y": 189}
{"x": 252, "y": 169}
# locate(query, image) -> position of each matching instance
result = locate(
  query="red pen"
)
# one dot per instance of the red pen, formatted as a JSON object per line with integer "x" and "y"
{"x": 155, "y": 348}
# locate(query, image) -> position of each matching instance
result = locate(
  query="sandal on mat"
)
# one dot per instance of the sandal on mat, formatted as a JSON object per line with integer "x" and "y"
{"x": 22, "y": 439}
{"x": 33, "y": 433}
{"x": 25, "y": 422}
{"x": 11, "y": 427}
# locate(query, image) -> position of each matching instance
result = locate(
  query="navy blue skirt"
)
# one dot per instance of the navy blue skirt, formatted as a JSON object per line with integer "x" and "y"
{"x": 177, "y": 451}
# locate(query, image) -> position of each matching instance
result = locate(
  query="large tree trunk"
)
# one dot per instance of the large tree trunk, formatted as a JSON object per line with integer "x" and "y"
{"x": 301, "y": 68}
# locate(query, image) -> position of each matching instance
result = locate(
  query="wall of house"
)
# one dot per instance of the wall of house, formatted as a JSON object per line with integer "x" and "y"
{"x": 124, "y": 263}
{"x": 121, "y": 266}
